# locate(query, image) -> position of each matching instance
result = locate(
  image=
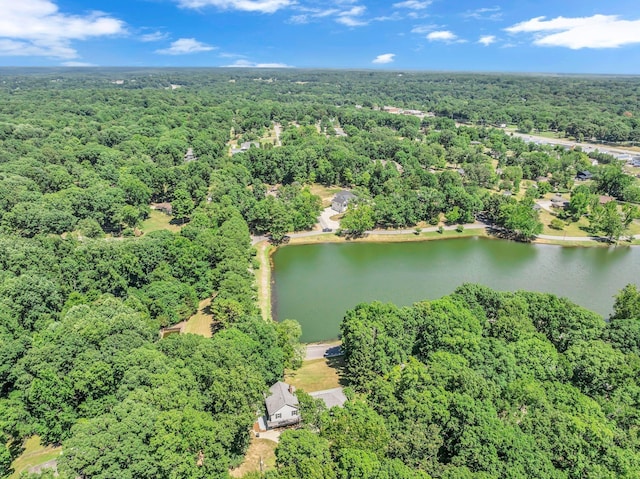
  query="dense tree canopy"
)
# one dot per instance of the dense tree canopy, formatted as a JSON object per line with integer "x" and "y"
{"x": 477, "y": 384}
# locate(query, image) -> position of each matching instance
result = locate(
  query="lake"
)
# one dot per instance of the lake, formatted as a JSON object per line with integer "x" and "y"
{"x": 316, "y": 284}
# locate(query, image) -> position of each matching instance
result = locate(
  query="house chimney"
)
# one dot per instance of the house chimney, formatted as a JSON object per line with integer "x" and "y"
{"x": 291, "y": 389}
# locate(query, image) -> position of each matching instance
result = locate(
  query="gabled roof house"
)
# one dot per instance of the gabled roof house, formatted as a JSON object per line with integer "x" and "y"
{"x": 282, "y": 406}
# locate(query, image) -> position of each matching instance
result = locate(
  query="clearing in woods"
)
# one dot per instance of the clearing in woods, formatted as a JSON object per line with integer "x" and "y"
{"x": 34, "y": 454}
{"x": 200, "y": 323}
{"x": 259, "y": 449}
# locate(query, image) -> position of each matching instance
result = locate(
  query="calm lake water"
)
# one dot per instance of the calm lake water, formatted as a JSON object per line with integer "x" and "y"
{"x": 316, "y": 284}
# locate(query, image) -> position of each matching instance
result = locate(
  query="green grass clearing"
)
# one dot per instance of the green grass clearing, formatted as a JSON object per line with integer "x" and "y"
{"x": 317, "y": 374}
{"x": 263, "y": 278}
{"x": 264, "y": 449}
{"x": 158, "y": 221}
{"x": 325, "y": 193}
{"x": 33, "y": 455}
{"x": 200, "y": 323}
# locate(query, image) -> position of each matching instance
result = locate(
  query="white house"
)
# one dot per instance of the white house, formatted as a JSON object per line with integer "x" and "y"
{"x": 341, "y": 201}
{"x": 282, "y": 406}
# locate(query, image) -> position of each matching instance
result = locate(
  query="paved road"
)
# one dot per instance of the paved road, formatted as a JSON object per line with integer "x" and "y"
{"x": 587, "y": 147}
{"x": 318, "y": 350}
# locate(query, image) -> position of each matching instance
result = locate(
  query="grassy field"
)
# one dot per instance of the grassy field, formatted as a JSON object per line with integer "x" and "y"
{"x": 578, "y": 228}
{"x": 325, "y": 194}
{"x": 34, "y": 454}
{"x": 200, "y": 323}
{"x": 395, "y": 238}
{"x": 263, "y": 279}
{"x": 317, "y": 374}
{"x": 264, "y": 449}
{"x": 158, "y": 221}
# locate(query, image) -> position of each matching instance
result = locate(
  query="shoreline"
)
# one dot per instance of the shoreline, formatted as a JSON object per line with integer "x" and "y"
{"x": 265, "y": 250}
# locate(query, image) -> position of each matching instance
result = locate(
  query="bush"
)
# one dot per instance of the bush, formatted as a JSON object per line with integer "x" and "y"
{"x": 440, "y": 229}
{"x": 460, "y": 228}
{"x": 557, "y": 224}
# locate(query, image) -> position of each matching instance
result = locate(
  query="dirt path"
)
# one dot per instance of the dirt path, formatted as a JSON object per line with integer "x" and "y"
{"x": 263, "y": 279}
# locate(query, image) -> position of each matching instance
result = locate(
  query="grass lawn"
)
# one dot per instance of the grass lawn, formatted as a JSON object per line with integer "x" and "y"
{"x": 572, "y": 229}
{"x": 395, "y": 238}
{"x": 578, "y": 228}
{"x": 264, "y": 449}
{"x": 200, "y": 323}
{"x": 325, "y": 194}
{"x": 158, "y": 221}
{"x": 317, "y": 374}
{"x": 34, "y": 454}
{"x": 263, "y": 279}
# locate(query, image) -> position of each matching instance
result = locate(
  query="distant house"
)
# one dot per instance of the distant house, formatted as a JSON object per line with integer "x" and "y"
{"x": 559, "y": 202}
{"x": 282, "y": 406}
{"x": 584, "y": 175}
{"x": 244, "y": 147}
{"x": 164, "y": 207}
{"x": 603, "y": 199}
{"x": 341, "y": 201}
{"x": 189, "y": 156}
{"x": 392, "y": 109}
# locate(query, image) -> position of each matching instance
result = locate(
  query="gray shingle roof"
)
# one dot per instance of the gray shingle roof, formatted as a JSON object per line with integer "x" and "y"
{"x": 279, "y": 397}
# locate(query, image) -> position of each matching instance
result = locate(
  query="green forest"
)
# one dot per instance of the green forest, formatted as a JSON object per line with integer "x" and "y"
{"x": 478, "y": 384}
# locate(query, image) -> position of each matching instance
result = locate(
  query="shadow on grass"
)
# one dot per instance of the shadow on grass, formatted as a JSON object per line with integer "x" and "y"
{"x": 337, "y": 363}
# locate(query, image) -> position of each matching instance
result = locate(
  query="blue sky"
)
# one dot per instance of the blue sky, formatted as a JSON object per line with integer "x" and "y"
{"x": 570, "y": 36}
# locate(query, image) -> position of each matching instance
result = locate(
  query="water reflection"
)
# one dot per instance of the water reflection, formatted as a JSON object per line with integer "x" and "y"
{"x": 316, "y": 284}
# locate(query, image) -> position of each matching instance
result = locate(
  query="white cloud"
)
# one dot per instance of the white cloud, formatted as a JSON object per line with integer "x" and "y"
{"x": 153, "y": 37}
{"x": 351, "y": 17}
{"x": 413, "y": 4}
{"x": 597, "y": 31}
{"x": 312, "y": 14}
{"x": 184, "y": 46}
{"x": 384, "y": 58}
{"x": 37, "y": 28}
{"x": 261, "y": 6}
{"x": 442, "y": 36}
{"x": 491, "y": 13}
{"x": 425, "y": 28}
{"x": 248, "y": 64}
{"x": 487, "y": 40}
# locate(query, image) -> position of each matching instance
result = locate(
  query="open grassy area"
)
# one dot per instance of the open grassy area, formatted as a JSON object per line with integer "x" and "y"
{"x": 200, "y": 323}
{"x": 326, "y": 194}
{"x": 263, "y": 279}
{"x": 579, "y": 228}
{"x": 34, "y": 454}
{"x": 571, "y": 229}
{"x": 317, "y": 374}
{"x": 158, "y": 221}
{"x": 390, "y": 238}
{"x": 264, "y": 449}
